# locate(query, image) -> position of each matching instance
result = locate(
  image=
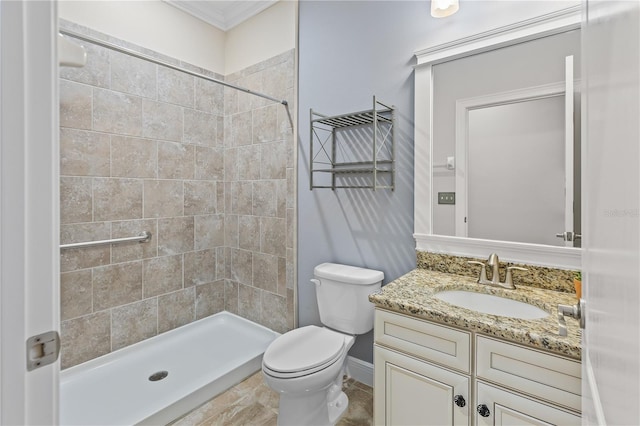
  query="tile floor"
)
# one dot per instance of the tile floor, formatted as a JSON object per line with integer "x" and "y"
{"x": 252, "y": 402}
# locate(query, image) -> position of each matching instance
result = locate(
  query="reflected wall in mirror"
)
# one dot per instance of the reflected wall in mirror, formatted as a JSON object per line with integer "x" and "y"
{"x": 504, "y": 116}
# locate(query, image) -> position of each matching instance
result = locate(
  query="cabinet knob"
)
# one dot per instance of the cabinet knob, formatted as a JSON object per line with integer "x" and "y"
{"x": 483, "y": 410}
{"x": 459, "y": 400}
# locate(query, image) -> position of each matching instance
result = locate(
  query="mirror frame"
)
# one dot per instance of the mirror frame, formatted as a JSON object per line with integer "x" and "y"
{"x": 534, "y": 254}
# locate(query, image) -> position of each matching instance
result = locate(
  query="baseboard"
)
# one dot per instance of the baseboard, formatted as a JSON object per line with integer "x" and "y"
{"x": 359, "y": 370}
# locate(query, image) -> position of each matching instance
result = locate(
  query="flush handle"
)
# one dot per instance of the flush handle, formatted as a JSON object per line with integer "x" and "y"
{"x": 316, "y": 282}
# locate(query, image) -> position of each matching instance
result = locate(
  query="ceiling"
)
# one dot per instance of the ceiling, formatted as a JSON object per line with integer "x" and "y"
{"x": 222, "y": 14}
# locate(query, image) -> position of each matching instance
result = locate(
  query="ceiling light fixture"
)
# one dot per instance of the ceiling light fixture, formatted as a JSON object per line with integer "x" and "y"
{"x": 444, "y": 8}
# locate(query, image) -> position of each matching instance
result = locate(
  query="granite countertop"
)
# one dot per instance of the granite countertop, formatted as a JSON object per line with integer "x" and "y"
{"x": 412, "y": 294}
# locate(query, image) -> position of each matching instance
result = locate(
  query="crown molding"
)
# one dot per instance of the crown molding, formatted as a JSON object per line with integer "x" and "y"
{"x": 223, "y": 15}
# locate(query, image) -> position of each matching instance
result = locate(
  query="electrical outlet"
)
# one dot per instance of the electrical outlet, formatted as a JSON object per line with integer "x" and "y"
{"x": 446, "y": 197}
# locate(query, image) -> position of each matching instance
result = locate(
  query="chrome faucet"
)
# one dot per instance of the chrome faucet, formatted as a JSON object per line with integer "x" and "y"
{"x": 494, "y": 263}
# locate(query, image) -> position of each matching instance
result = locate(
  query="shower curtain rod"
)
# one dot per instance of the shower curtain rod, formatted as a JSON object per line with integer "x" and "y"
{"x": 165, "y": 64}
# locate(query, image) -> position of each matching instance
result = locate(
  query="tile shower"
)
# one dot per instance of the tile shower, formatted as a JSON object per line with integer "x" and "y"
{"x": 208, "y": 170}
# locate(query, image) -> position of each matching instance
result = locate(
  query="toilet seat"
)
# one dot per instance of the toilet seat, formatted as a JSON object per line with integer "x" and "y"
{"x": 303, "y": 351}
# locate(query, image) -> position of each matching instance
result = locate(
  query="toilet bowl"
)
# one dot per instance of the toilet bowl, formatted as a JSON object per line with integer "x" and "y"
{"x": 306, "y": 365}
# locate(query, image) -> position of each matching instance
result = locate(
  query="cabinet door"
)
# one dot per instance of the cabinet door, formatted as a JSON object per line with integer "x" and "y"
{"x": 506, "y": 408}
{"x": 411, "y": 392}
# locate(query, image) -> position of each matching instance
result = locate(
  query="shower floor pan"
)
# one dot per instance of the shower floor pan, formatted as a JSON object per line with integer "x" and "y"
{"x": 160, "y": 379}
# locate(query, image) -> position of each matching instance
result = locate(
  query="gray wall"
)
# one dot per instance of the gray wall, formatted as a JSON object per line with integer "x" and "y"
{"x": 348, "y": 52}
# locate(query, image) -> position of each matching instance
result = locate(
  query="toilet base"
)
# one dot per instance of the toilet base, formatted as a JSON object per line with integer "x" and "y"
{"x": 322, "y": 408}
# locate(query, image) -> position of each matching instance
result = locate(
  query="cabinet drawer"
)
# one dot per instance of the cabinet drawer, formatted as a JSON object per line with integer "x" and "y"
{"x": 439, "y": 344}
{"x": 542, "y": 375}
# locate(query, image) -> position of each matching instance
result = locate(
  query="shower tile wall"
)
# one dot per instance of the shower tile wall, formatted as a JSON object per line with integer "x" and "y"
{"x": 260, "y": 194}
{"x": 144, "y": 147}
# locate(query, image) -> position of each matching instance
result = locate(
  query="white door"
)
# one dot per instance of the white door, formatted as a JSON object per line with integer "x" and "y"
{"x": 29, "y": 255}
{"x": 611, "y": 232}
{"x": 414, "y": 393}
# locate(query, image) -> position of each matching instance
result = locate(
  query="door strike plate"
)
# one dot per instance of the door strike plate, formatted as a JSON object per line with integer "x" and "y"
{"x": 42, "y": 349}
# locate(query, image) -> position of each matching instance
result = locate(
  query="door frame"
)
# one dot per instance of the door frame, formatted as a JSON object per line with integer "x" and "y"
{"x": 29, "y": 206}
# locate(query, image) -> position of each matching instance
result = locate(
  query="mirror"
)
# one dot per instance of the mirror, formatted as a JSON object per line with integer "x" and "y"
{"x": 501, "y": 116}
{"x": 498, "y": 143}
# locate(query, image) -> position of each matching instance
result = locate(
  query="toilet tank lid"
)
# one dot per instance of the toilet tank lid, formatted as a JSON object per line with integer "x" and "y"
{"x": 348, "y": 274}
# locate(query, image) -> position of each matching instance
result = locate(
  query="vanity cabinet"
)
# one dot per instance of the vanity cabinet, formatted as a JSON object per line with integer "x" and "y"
{"x": 428, "y": 373}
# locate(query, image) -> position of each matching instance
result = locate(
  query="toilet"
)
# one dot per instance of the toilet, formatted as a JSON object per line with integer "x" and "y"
{"x": 306, "y": 365}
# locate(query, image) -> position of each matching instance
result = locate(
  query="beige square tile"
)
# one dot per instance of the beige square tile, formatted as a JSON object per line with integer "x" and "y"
{"x": 291, "y": 265}
{"x": 220, "y": 197}
{"x": 209, "y": 163}
{"x": 200, "y": 197}
{"x": 231, "y": 164}
{"x": 230, "y": 101}
{"x": 291, "y": 309}
{"x": 176, "y": 309}
{"x": 132, "y": 75}
{"x": 241, "y": 266}
{"x": 175, "y": 87}
{"x": 85, "y": 338}
{"x": 162, "y": 121}
{"x": 116, "y": 285}
{"x": 249, "y": 233}
{"x": 84, "y": 153}
{"x": 75, "y": 294}
{"x": 241, "y": 128}
{"x": 282, "y": 276}
{"x": 273, "y": 236}
{"x": 265, "y": 198}
{"x": 116, "y": 112}
{"x": 133, "y": 323}
{"x": 175, "y": 161}
{"x": 274, "y": 161}
{"x": 74, "y": 259}
{"x": 162, "y": 275}
{"x": 231, "y": 230}
{"x": 133, "y": 157}
{"x": 242, "y": 198}
{"x": 95, "y": 72}
{"x": 250, "y": 303}
{"x": 291, "y": 221}
{"x": 176, "y": 235}
{"x": 76, "y": 200}
{"x": 231, "y": 296}
{"x": 200, "y": 128}
{"x": 274, "y": 312}
{"x": 281, "y": 198}
{"x": 265, "y": 124}
{"x": 265, "y": 272}
{"x": 163, "y": 198}
{"x": 221, "y": 265}
{"x": 117, "y": 199}
{"x": 209, "y": 97}
{"x": 248, "y": 162}
{"x": 75, "y": 105}
{"x": 209, "y": 299}
{"x": 134, "y": 251}
{"x": 291, "y": 188}
{"x": 209, "y": 231}
{"x": 199, "y": 267}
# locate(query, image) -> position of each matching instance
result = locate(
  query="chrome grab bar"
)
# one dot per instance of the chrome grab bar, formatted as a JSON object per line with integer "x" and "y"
{"x": 145, "y": 237}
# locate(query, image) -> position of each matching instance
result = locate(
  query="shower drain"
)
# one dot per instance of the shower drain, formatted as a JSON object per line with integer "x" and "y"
{"x": 158, "y": 376}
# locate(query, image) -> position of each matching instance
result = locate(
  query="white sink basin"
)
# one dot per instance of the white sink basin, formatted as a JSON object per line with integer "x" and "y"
{"x": 490, "y": 304}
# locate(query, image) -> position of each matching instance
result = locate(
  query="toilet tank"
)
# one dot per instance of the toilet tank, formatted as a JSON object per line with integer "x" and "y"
{"x": 342, "y": 292}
